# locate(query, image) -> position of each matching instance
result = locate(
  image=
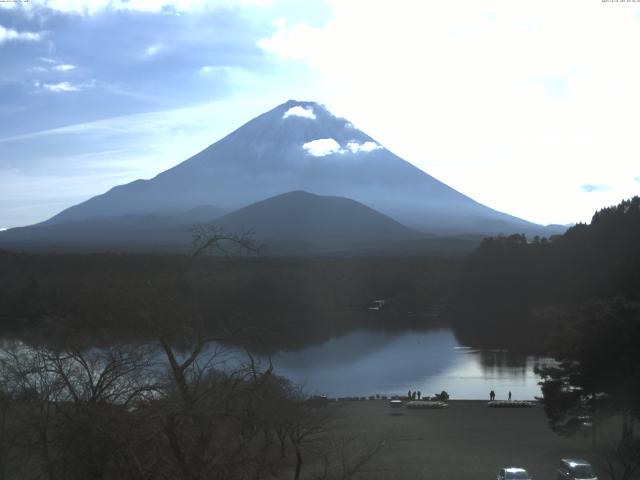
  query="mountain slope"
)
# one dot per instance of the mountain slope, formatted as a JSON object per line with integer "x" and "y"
{"x": 126, "y": 232}
{"x": 302, "y": 146}
{"x": 294, "y": 222}
{"x": 301, "y": 221}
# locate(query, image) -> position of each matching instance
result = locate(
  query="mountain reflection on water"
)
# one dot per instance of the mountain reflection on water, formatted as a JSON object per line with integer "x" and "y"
{"x": 366, "y": 362}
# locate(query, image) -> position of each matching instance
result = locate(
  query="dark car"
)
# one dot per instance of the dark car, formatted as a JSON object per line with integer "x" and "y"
{"x": 580, "y": 424}
{"x": 575, "y": 469}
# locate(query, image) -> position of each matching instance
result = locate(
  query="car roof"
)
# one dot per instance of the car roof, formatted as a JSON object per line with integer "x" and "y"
{"x": 572, "y": 462}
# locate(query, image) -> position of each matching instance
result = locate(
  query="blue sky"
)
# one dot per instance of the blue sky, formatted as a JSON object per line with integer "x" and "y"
{"x": 528, "y": 108}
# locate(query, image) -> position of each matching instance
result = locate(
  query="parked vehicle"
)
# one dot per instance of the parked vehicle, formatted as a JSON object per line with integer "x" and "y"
{"x": 513, "y": 473}
{"x": 575, "y": 469}
{"x": 581, "y": 424}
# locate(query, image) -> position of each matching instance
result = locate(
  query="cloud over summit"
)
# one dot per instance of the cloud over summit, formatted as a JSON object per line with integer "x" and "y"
{"x": 298, "y": 111}
{"x": 327, "y": 146}
{"x": 322, "y": 147}
{"x": 367, "y": 146}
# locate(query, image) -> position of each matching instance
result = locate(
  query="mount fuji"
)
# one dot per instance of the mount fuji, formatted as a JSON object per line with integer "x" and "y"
{"x": 297, "y": 146}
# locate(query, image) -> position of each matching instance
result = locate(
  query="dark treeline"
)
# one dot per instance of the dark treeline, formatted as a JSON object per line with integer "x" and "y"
{"x": 525, "y": 286}
{"x": 599, "y": 259}
{"x": 284, "y": 302}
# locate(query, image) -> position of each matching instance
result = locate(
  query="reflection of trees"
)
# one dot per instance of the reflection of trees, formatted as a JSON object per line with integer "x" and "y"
{"x": 512, "y": 329}
{"x": 503, "y": 362}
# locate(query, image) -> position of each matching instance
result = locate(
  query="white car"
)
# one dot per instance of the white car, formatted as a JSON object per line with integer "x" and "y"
{"x": 513, "y": 473}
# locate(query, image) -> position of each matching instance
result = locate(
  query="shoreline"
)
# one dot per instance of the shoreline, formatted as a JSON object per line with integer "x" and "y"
{"x": 404, "y": 398}
{"x": 465, "y": 440}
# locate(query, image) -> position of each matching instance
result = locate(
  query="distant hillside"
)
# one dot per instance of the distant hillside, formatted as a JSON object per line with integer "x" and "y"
{"x": 291, "y": 223}
{"x": 129, "y": 232}
{"x": 301, "y": 221}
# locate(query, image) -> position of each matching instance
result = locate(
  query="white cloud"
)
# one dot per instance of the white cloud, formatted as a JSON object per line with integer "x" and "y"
{"x": 61, "y": 87}
{"x": 590, "y": 187}
{"x": 494, "y": 98}
{"x": 65, "y": 67}
{"x": 322, "y": 147}
{"x": 224, "y": 69}
{"x": 152, "y": 50}
{"x": 8, "y": 34}
{"x": 93, "y": 7}
{"x": 367, "y": 146}
{"x": 299, "y": 111}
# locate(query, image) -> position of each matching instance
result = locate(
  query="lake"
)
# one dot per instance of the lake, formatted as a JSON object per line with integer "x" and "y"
{"x": 367, "y": 362}
{"x": 391, "y": 362}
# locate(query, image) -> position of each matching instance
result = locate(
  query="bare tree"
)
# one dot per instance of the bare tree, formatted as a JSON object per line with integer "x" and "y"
{"x": 209, "y": 238}
{"x": 77, "y": 407}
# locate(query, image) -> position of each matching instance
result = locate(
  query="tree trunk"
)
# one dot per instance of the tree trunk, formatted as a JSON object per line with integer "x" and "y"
{"x": 594, "y": 428}
{"x": 298, "y": 464}
{"x": 282, "y": 438}
{"x": 174, "y": 445}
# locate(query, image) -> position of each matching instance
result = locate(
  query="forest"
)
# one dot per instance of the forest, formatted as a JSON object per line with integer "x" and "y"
{"x": 513, "y": 283}
{"x": 283, "y": 301}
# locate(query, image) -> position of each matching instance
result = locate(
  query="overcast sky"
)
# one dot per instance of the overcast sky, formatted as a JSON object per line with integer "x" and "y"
{"x": 530, "y": 107}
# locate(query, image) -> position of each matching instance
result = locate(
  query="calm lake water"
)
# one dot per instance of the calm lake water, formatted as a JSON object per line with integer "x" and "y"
{"x": 364, "y": 363}
{"x": 370, "y": 362}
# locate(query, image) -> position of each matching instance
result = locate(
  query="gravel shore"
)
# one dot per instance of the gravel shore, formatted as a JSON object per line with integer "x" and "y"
{"x": 466, "y": 440}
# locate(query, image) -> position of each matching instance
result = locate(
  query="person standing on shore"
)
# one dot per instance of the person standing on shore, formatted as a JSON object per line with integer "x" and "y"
{"x": 509, "y": 395}
{"x": 492, "y": 395}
